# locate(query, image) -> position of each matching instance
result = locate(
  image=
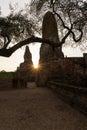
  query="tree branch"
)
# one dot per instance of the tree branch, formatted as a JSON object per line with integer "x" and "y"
{"x": 64, "y": 38}
{"x": 70, "y": 30}
{"x": 8, "y": 41}
{"x": 8, "y": 52}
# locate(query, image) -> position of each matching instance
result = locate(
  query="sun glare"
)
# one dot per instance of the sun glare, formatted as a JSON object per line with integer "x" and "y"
{"x": 35, "y": 65}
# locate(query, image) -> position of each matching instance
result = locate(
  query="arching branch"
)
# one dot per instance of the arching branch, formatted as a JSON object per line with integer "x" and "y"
{"x": 8, "y": 52}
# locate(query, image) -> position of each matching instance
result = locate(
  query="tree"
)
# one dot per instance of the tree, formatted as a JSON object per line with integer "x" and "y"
{"x": 20, "y": 28}
{"x": 70, "y": 14}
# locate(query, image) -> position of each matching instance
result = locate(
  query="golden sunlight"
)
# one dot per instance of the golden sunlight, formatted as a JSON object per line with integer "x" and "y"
{"x": 35, "y": 64}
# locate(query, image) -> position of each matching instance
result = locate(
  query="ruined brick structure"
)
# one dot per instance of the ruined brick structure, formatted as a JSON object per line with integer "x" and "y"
{"x": 72, "y": 70}
{"x": 53, "y": 65}
{"x": 25, "y": 71}
{"x": 49, "y": 31}
{"x": 26, "y": 68}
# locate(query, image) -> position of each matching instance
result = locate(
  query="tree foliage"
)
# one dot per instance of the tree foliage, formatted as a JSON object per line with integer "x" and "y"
{"x": 71, "y": 17}
{"x": 21, "y": 27}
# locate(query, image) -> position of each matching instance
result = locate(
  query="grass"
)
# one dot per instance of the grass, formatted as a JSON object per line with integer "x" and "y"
{"x": 7, "y": 75}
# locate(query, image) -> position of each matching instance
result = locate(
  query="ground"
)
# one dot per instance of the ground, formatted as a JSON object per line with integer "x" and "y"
{"x": 37, "y": 109}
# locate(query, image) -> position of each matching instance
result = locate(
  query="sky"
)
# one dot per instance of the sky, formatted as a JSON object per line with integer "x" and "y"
{"x": 5, "y": 5}
{"x": 11, "y": 63}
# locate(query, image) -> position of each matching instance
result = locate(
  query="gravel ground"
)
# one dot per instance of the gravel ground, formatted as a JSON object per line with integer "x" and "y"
{"x": 37, "y": 109}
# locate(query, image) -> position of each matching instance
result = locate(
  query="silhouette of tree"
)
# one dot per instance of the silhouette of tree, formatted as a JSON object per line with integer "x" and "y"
{"x": 20, "y": 28}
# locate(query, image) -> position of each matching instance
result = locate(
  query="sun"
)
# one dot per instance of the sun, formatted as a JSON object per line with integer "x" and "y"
{"x": 35, "y": 62}
{"x": 35, "y": 65}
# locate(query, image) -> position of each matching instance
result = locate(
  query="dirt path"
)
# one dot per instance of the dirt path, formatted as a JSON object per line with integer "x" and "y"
{"x": 37, "y": 109}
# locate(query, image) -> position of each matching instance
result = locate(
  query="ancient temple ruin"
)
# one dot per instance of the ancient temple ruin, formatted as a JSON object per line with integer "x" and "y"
{"x": 49, "y": 31}
{"x": 53, "y": 65}
{"x": 27, "y": 56}
{"x": 26, "y": 68}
